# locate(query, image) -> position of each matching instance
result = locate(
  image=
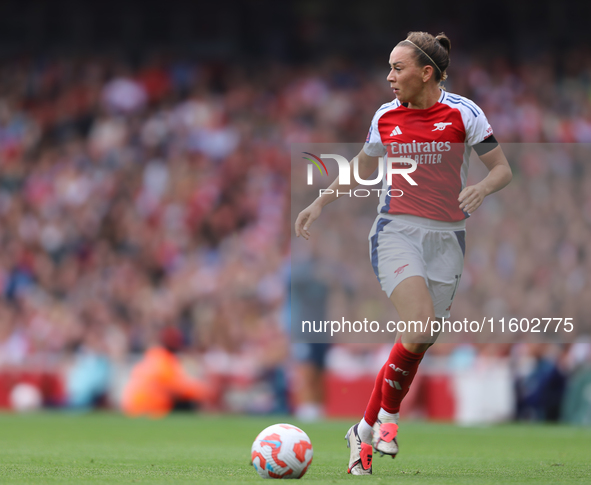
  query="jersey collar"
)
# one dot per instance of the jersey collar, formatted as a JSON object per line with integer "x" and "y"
{"x": 441, "y": 98}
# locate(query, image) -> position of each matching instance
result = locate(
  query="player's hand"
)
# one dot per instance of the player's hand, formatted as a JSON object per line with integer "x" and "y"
{"x": 306, "y": 218}
{"x": 471, "y": 197}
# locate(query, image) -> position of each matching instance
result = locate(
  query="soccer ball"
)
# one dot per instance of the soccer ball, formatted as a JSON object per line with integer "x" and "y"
{"x": 281, "y": 451}
{"x": 25, "y": 398}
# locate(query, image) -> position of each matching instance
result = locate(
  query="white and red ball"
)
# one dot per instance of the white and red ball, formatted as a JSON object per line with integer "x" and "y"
{"x": 25, "y": 398}
{"x": 282, "y": 451}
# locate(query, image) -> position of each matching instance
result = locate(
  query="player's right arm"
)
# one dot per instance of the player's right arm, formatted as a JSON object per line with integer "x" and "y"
{"x": 366, "y": 164}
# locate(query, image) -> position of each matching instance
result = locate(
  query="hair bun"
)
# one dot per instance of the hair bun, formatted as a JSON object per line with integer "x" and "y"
{"x": 444, "y": 41}
{"x": 429, "y": 50}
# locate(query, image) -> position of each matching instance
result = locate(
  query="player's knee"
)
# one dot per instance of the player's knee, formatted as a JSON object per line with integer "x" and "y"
{"x": 418, "y": 343}
{"x": 418, "y": 335}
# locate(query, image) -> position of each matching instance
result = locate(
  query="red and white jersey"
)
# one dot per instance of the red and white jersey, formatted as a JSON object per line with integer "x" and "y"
{"x": 440, "y": 140}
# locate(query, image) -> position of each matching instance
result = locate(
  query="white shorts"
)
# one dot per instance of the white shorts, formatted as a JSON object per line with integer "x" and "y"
{"x": 401, "y": 246}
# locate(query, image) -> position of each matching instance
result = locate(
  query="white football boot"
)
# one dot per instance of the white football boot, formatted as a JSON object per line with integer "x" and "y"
{"x": 384, "y": 438}
{"x": 361, "y": 453}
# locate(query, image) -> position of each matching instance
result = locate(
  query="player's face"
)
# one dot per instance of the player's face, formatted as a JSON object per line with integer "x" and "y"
{"x": 406, "y": 77}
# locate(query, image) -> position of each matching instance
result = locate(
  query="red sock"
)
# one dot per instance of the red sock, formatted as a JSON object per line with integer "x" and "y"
{"x": 375, "y": 401}
{"x": 400, "y": 370}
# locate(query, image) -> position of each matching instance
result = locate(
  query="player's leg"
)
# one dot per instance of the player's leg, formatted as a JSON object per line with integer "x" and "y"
{"x": 412, "y": 300}
{"x": 396, "y": 252}
{"x": 359, "y": 437}
{"x": 418, "y": 300}
{"x": 395, "y": 256}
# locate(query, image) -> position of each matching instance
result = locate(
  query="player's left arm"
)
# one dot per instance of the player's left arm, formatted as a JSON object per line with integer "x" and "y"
{"x": 499, "y": 175}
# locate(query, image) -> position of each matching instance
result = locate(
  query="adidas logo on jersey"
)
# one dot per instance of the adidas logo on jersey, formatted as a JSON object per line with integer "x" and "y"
{"x": 396, "y": 131}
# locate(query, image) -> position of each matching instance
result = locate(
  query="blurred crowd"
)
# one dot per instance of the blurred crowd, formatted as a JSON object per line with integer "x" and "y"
{"x": 137, "y": 196}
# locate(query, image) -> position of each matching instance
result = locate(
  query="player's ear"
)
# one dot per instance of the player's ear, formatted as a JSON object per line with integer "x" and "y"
{"x": 427, "y": 73}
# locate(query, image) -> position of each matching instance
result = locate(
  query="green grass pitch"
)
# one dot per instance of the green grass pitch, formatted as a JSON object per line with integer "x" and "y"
{"x": 187, "y": 449}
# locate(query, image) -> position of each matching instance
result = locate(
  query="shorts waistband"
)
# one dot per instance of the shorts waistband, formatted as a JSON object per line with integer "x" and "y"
{"x": 426, "y": 223}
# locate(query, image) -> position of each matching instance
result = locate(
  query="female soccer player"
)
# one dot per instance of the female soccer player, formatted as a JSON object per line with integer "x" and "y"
{"x": 417, "y": 242}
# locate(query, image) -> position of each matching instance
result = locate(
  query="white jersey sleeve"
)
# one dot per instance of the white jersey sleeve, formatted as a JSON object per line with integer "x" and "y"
{"x": 373, "y": 143}
{"x": 476, "y": 124}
